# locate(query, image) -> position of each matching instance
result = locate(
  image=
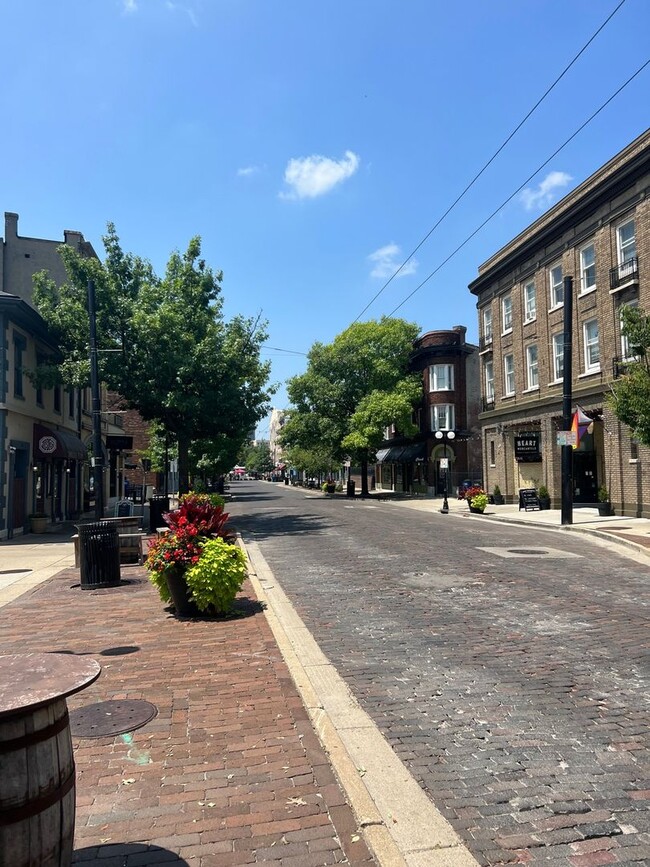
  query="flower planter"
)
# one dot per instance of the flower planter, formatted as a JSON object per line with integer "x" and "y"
{"x": 330, "y": 489}
{"x": 38, "y": 523}
{"x": 605, "y": 510}
{"x": 476, "y": 511}
{"x": 180, "y": 593}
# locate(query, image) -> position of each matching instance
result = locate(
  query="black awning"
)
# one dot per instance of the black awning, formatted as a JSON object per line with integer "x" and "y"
{"x": 414, "y": 452}
{"x": 57, "y": 444}
{"x": 381, "y": 455}
{"x": 394, "y": 455}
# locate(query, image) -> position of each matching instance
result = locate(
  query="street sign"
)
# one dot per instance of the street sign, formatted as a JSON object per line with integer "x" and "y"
{"x": 444, "y": 463}
{"x": 566, "y": 438}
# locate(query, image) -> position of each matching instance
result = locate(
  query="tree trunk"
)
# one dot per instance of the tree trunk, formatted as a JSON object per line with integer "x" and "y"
{"x": 364, "y": 477}
{"x": 183, "y": 464}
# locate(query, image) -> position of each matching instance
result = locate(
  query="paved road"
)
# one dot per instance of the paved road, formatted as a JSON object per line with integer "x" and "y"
{"x": 506, "y": 665}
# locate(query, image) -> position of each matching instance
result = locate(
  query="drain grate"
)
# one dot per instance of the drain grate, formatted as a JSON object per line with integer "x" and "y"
{"x": 108, "y": 718}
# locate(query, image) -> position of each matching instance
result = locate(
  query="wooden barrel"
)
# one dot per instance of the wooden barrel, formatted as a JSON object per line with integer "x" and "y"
{"x": 37, "y": 788}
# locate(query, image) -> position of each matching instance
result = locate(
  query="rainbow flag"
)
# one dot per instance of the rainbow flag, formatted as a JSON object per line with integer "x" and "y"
{"x": 580, "y": 425}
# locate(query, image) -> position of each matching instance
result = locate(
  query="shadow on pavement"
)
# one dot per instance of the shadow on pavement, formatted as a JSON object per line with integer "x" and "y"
{"x": 127, "y": 855}
{"x": 265, "y": 526}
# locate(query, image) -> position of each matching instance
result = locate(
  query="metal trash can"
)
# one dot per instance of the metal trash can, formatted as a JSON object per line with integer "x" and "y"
{"x": 350, "y": 488}
{"x": 99, "y": 555}
{"x": 158, "y": 505}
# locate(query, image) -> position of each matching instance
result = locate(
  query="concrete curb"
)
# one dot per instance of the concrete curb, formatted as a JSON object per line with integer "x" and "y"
{"x": 401, "y": 826}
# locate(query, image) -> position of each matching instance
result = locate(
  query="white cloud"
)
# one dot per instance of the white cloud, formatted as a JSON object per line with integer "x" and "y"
{"x": 316, "y": 175}
{"x": 544, "y": 194}
{"x": 386, "y": 260}
{"x": 129, "y": 6}
{"x": 247, "y": 171}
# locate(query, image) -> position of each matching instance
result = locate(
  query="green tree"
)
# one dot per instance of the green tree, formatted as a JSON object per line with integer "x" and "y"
{"x": 352, "y": 389}
{"x": 258, "y": 458}
{"x": 179, "y": 363}
{"x": 629, "y": 398}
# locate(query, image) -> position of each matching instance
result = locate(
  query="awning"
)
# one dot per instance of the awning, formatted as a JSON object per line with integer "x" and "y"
{"x": 57, "y": 444}
{"x": 381, "y": 455}
{"x": 402, "y": 454}
{"x": 414, "y": 452}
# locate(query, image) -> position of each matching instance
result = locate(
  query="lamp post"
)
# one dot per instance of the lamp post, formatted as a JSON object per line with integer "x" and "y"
{"x": 445, "y": 436}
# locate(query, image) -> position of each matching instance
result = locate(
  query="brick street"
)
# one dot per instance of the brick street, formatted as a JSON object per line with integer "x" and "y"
{"x": 512, "y": 684}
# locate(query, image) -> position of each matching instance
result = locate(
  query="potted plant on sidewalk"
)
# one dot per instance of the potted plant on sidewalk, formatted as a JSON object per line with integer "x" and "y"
{"x": 604, "y": 503}
{"x": 497, "y": 496}
{"x": 544, "y": 497}
{"x": 38, "y": 522}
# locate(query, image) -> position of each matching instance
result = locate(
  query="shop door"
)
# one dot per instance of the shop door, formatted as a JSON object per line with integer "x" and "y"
{"x": 585, "y": 484}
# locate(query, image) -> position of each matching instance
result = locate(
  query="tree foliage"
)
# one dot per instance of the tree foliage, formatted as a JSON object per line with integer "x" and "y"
{"x": 352, "y": 388}
{"x": 630, "y": 395}
{"x": 257, "y": 458}
{"x": 178, "y": 361}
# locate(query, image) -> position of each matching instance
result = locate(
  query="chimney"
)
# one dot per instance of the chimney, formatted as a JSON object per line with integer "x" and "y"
{"x": 462, "y": 331}
{"x": 11, "y": 225}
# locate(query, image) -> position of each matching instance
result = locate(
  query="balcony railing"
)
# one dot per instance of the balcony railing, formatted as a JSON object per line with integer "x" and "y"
{"x": 485, "y": 343}
{"x": 626, "y": 272}
{"x": 488, "y": 403}
{"x": 620, "y": 366}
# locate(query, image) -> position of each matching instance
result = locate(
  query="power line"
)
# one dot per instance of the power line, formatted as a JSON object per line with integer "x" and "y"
{"x": 519, "y": 188}
{"x": 277, "y": 349}
{"x": 490, "y": 161}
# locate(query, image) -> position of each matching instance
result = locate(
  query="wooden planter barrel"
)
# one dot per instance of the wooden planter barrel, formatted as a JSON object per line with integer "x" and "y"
{"x": 37, "y": 774}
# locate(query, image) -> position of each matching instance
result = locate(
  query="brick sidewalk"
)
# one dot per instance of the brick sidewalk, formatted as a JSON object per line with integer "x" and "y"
{"x": 229, "y": 772}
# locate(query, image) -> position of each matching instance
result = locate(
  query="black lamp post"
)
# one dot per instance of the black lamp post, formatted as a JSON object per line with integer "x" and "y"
{"x": 445, "y": 436}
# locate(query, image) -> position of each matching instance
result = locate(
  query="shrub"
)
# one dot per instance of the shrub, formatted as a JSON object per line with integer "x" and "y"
{"x": 543, "y": 492}
{"x": 217, "y": 577}
{"x": 603, "y": 494}
{"x": 203, "y": 511}
{"x": 181, "y": 549}
{"x": 324, "y": 487}
{"x": 479, "y": 501}
{"x": 497, "y": 491}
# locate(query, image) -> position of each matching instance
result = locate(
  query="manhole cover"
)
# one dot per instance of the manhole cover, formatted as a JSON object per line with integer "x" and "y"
{"x": 108, "y": 718}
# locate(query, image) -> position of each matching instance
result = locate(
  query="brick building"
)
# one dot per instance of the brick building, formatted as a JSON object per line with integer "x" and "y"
{"x": 600, "y": 235}
{"x": 450, "y": 404}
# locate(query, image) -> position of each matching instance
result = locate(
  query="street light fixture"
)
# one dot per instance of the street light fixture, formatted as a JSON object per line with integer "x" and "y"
{"x": 445, "y": 436}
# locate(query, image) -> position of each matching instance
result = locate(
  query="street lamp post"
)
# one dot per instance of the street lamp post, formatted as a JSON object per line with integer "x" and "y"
{"x": 445, "y": 436}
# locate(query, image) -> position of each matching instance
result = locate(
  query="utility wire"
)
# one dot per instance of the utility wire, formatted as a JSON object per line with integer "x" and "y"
{"x": 277, "y": 349}
{"x": 519, "y": 188}
{"x": 490, "y": 161}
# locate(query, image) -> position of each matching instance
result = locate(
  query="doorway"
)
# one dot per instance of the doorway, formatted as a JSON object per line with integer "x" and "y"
{"x": 585, "y": 479}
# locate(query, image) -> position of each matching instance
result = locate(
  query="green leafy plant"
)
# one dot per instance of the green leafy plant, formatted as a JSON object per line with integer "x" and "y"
{"x": 603, "y": 494}
{"x": 496, "y": 491}
{"x": 178, "y": 550}
{"x": 543, "y": 493}
{"x": 217, "y": 577}
{"x": 479, "y": 501}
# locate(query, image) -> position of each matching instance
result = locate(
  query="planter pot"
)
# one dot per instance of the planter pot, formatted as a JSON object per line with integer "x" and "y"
{"x": 330, "y": 489}
{"x": 38, "y": 523}
{"x": 544, "y": 503}
{"x": 498, "y": 499}
{"x": 180, "y": 593}
{"x": 476, "y": 511}
{"x": 605, "y": 510}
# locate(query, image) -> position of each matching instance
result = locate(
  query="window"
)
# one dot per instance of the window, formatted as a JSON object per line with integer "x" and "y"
{"x": 626, "y": 352}
{"x": 506, "y": 313}
{"x": 592, "y": 349}
{"x": 509, "y": 374}
{"x": 441, "y": 377}
{"x": 20, "y": 345}
{"x": 532, "y": 369}
{"x": 71, "y": 406}
{"x": 443, "y": 417}
{"x": 489, "y": 381}
{"x": 556, "y": 286}
{"x": 626, "y": 242}
{"x": 487, "y": 325}
{"x": 558, "y": 356}
{"x": 530, "y": 302}
{"x": 493, "y": 460}
{"x": 634, "y": 450}
{"x": 587, "y": 268}
{"x": 57, "y": 398}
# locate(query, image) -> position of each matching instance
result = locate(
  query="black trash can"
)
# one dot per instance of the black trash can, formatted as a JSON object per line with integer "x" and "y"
{"x": 157, "y": 507}
{"x": 286, "y": 481}
{"x": 99, "y": 555}
{"x": 350, "y": 488}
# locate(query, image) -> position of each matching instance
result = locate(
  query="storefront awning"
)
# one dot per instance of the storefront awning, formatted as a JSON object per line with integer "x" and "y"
{"x": 414, "y": 452}
{"x": 402, "y": 454}
{"x": 381, "y": 455}
{"x": 57, "y": 444}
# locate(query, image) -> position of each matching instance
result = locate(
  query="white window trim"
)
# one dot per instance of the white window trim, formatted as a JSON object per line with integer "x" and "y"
{"x": 451, "y": 416}
{"x": 528, "y": 318}
{"x": 433, "y": 387}
{"x": 488, "y": 333}
{"x": 505, "y": 330}
{"x": 623, "y": 339}
{"x": 531, "y": 387}
{"x": 553, "y": 358}
{"x": 589, "y": 368}
{"x": 619, "y": 249}
{"x": 555, "y": 305}
{"x": 591, "y": 288}
{"x": 505, "y": 376}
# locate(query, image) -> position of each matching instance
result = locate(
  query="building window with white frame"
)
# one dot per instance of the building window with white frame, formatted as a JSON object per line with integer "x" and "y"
{"x": 626, "y": 351}
{"x": 443, "y": 416}
{"x": 508, "y": 374}
{"x": 489, "y": 382}
{"x": 556, "y": 286}
{"x": 592, "y": 348}
{"x": 530, "y": 302}
{"x": 626, "y": 242}
{"x": 558, "y": 357}
{"x": 587, "y": 268}
{"x": 441, "y": 377}
{"x": 487, "y": 325}
{"x": 506, "y": 314}
{"x": 532, "y": 367}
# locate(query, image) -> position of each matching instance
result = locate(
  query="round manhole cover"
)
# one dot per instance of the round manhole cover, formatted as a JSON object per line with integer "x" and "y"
{"x": 108, "y": 718}
{"x": 537, "y": 551}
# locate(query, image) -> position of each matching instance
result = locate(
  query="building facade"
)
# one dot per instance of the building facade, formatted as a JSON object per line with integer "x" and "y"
{"x": 426, "y": 463}
{"x": 599, "y": 235}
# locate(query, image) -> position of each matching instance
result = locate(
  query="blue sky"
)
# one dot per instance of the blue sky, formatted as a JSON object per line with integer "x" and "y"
{"x": 310, "y": 145}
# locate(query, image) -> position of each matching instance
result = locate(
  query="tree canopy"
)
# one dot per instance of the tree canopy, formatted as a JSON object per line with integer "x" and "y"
{"x": 352, "y": 389}
{"x": 178, "y": 361}
{"x": 630, "y": 395}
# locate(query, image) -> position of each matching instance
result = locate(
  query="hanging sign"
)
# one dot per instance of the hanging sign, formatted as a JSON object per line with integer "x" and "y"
{"x": 527, "y": 447}
{"x": 567, "y": 438}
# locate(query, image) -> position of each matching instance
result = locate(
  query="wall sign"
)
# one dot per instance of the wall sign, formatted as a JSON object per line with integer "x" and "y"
{"x": 527, "y": 448}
